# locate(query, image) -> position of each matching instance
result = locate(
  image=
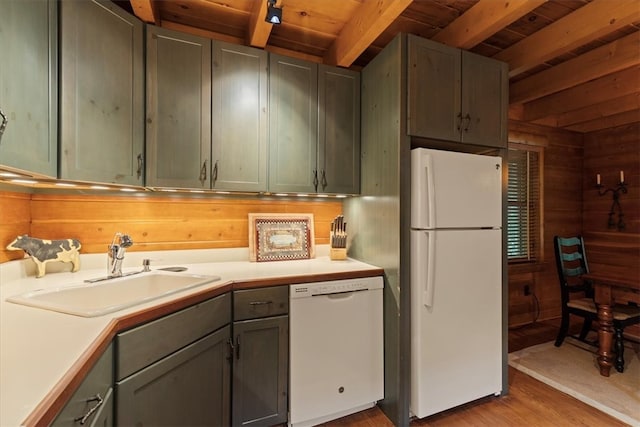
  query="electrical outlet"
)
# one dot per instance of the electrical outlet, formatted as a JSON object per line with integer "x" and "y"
{"x": 527, "y": 290}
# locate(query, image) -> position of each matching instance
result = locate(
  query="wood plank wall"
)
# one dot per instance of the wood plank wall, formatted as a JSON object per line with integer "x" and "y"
{"x": 154, "y": 223}
{"x": 572, "y": 207}
{"x": 562, "y": 213}
{"x": 612, "y": 251}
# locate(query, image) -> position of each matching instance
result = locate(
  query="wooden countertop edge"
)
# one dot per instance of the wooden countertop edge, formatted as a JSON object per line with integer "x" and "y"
{"x": 47, "y": 410}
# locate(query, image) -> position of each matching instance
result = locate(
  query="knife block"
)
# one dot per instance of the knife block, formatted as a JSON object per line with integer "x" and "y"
{"x": 337, "y": 254}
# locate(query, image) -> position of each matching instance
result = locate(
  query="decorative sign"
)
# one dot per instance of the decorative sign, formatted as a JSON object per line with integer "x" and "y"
{"x": 281, "y": 237}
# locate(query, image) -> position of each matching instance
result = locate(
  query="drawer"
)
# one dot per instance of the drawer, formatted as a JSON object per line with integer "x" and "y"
{"x": 261, "y": 302}
{"x": 92, "y": 396}
{"x": 145, "y": 344}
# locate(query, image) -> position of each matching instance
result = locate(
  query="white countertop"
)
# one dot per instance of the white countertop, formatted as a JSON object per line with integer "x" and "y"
{"x": 37, "y": 346}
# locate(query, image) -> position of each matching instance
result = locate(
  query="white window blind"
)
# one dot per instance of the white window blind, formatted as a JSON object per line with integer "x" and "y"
{"x": 523, "y": 205}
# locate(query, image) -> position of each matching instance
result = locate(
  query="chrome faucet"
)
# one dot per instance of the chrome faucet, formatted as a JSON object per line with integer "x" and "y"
{"x": 117, "y": 248}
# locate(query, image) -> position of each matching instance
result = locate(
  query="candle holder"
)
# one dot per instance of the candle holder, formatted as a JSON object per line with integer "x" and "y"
{"x": 616, "y": 191}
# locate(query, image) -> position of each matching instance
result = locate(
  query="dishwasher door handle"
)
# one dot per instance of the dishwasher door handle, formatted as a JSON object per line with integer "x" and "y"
{"x": 341, "y": 295}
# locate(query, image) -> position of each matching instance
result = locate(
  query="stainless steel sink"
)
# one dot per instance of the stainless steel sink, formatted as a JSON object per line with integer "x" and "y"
{"x": 96, "y": 299}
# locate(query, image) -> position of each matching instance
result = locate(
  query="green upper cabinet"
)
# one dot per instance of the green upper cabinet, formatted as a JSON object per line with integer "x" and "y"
{"x": 178, "y": 109}
{"x": 338, "y": 130}
{"x": 456, "y": 95}
{"x": 485, "y": 104}
{"x": 314, "y": 133}
{"x": 102, "y": 93}
{"x": 28, "y": 85}
{"x": 239, "y": 118}
{"x": 293, "y": 125}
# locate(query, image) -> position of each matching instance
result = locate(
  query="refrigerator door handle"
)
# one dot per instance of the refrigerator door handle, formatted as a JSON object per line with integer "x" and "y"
{"x": 423, "y": 270}
{"x": 431, "y": 270}
{"x": 423, "y": 191}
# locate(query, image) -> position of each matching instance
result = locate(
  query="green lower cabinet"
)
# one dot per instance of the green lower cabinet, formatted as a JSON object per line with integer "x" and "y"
{"x": 187, "y": 388}
{"x": 260, "y": 371}
{"x": 92, "y": 403}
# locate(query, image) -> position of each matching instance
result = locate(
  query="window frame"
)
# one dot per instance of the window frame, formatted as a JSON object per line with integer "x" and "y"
{"x": 536, "y": 233}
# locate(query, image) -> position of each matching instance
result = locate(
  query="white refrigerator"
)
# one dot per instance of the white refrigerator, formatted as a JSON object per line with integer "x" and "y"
{"x": 456, "y": 279}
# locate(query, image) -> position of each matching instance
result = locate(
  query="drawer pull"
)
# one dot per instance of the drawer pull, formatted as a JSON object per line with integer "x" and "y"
{"x": 260, "y": 302}
{"x": 90, "y": 412}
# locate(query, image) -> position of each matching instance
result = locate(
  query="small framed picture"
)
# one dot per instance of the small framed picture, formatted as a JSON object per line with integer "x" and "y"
{"x": 281, "y": 237}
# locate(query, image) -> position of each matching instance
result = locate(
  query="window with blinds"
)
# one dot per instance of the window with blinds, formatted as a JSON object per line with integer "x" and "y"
{"x": 523, "y": 205}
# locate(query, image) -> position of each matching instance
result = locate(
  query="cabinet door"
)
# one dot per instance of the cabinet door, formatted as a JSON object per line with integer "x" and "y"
{"x": 92, "y": 402}
{"x": 188, "y": 388}
{"x": 239, "y": 118}
{"x": 260, "y": 371}
{"x": 102, "y": 93}
{"x": 484, "y": 100}
{"x": 28, "y": 85}
{"x": 293, "y": 124}
{"x": 178, "y": 109}
{"x": 339, "y": 130}
{"x": 433, "y": 90}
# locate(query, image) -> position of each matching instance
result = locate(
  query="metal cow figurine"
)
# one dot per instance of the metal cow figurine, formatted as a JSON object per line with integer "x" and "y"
{"x": 43, "y": 251}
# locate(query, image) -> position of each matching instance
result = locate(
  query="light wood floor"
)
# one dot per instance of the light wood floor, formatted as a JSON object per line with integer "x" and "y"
{"x": 529, "y": 403}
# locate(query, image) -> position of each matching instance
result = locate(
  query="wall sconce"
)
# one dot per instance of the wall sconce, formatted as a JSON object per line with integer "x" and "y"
{"x": 621, "y": 187}
{"x": 274, "y": 14}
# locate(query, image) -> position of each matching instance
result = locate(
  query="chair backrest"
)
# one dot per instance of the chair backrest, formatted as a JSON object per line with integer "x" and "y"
{"x": 571, "y": 261}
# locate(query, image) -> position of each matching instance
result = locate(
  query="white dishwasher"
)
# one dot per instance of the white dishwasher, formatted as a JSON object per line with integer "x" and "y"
{"x": 336, "y": 357}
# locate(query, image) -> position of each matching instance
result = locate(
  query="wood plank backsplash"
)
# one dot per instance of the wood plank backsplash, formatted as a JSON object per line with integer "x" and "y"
{"x": 154, "y": 223}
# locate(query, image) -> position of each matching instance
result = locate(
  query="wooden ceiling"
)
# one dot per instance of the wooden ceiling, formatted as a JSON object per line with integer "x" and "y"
{"x": 574, "y": 64}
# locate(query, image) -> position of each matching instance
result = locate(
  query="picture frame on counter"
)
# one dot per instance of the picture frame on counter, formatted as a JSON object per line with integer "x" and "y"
{"x": 281, "y": 237}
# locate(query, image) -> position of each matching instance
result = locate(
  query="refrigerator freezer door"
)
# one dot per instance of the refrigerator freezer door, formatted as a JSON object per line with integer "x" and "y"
{"x": 456, "y": 342}
{"x": 455, "y": 190}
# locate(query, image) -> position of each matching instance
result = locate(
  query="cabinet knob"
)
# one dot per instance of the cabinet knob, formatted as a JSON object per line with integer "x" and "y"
{"x": 3, "y": 125}
{"x": 203, "y": 173}
{"x": 315, "y": 180}
{"x": 214, "y": 174}
{"x": 83, "y": 419}
{"x": 468, "y": 122}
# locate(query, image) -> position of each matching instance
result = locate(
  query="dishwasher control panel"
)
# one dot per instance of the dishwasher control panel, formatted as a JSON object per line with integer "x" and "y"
{"x": 304, "y": 290}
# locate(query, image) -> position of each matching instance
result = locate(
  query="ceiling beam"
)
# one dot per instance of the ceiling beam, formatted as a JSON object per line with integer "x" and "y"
{"x": 597, "y": 111}
{"x": 483, "y": 20}
{"x": 605, "y": 88}
{"x": 607, "y": 122}
{"x": 594, "y": 20}
{"x": 593, "y": 112}
{"x": 371, "y": 19}
{"x": 259, "y": 29}
{"x": 146, "y": 11}
{"x": 615, "y": 56}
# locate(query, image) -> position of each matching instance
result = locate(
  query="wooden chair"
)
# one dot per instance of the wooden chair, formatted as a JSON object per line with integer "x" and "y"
{"x": 571, "y": 261}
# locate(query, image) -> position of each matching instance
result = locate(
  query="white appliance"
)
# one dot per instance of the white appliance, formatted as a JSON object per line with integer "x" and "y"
{"x": 456, "y": 279}
{"x": 336, "y": 357}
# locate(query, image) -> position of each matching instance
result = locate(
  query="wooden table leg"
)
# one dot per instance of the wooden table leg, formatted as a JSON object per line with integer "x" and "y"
{"x": 605, "y": 339}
